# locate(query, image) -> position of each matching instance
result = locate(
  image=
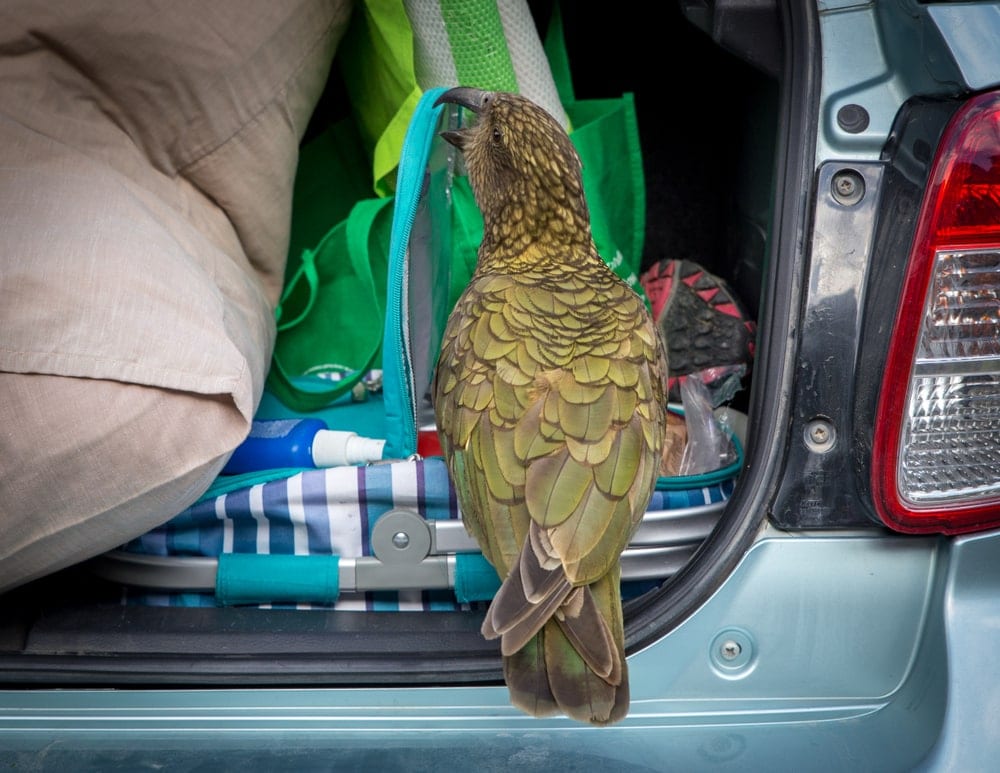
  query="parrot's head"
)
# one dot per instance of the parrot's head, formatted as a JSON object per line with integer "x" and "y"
{"x": 523, "y": 168}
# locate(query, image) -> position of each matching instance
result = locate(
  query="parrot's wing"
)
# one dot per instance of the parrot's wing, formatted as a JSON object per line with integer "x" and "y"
{"x": 552, "y": 418}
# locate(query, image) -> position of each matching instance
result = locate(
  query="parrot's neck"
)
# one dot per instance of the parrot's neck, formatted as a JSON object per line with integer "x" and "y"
{"x": 537, "y": 256}
{"x": 515, "y": 235}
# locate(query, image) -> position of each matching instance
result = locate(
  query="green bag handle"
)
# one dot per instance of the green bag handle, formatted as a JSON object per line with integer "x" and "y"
{"x": 306, "y": 272}
{"x": 358, "y": 227}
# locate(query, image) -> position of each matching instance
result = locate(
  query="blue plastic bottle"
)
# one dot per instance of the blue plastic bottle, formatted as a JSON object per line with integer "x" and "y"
{"x": 278, "y": 443}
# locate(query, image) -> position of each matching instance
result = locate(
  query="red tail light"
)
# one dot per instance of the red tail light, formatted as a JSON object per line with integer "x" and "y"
{"x": 936, "y": 454}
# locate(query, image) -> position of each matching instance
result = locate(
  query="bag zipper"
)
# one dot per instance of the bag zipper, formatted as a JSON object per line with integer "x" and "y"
{"x": 401, "y": 419}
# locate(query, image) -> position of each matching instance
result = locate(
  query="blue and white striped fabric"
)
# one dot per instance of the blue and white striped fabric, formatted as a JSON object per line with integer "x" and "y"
{"x": 330, "y": 512}
{"x": 315, "y": 512}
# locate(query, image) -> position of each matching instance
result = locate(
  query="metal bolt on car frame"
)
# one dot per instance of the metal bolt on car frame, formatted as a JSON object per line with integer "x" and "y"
{"x": 820, "y": 436}
{"x": 733, "y": 653}
{"x": 848, "y": 187}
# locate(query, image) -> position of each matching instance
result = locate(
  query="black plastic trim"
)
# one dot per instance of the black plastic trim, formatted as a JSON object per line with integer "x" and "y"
{"x": 148, "y": 646}
{"x": 817, "y": 487}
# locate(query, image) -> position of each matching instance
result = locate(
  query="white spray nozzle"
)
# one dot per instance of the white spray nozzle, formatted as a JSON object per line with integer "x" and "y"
{"x": 333, "y": 448}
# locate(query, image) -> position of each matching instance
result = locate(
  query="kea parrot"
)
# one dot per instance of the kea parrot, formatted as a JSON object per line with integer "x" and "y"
{"x": 549, "y": 396}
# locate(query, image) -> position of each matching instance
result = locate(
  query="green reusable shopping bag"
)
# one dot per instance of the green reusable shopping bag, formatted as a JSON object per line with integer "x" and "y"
{"x": 335, "y": 276}
{"x": 382, "y": 79}
{"x": 332, "y": 312}
{"x": 395, "y": 50}
{"x": 331, "y": 318}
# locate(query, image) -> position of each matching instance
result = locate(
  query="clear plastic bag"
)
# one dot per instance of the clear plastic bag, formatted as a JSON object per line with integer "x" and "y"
{"x": 709, "y": 445}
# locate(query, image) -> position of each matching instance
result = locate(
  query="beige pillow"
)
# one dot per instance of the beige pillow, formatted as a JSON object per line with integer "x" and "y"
{"x": 147, "y": 156}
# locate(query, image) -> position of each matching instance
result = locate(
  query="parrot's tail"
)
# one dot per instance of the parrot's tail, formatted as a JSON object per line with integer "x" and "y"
{"x": 549, "y": 674}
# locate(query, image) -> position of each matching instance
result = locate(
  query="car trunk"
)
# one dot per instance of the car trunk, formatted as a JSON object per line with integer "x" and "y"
{"x": 719, "y": 126}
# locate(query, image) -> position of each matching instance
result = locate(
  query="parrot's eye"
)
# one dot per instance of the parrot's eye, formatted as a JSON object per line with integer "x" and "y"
{"x": 497, "y": 135}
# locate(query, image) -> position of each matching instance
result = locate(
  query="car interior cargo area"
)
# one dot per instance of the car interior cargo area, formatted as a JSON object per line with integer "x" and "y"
{"x": 706, "y": 102}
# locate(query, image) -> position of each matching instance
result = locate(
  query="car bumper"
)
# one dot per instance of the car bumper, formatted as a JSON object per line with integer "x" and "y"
{"x": 848, "y": 651}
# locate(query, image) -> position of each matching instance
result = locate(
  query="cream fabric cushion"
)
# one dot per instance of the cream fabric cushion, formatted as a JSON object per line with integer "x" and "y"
{"x": 147, "y": 156}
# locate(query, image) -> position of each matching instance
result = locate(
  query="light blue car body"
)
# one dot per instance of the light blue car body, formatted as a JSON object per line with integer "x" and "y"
{"x": 822, "y": 650}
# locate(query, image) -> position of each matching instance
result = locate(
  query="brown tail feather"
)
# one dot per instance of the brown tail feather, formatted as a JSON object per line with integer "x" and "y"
{"x": 550, "y": 674}
{"x": 579, "y": 692}
{"x": 528, "y": 681}
{"x": 547, "y": 677}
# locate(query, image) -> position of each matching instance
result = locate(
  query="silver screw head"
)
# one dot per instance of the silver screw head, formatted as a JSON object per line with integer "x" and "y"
{"x": 820, "y": 435}
{"x": 848, "y": 187}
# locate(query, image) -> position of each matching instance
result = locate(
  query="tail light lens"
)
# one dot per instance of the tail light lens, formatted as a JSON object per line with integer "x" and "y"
{"x": 936, "y": 453}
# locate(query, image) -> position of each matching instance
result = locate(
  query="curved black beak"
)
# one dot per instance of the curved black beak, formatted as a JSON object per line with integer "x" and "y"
{"x": 466, "y": 96}
{"x": 470, "y": 98}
